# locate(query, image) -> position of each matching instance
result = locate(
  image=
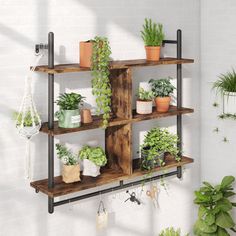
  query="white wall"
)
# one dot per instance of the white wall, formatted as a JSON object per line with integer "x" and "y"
{"x": 218, "y": 50}
{"x": 24, "y": 23}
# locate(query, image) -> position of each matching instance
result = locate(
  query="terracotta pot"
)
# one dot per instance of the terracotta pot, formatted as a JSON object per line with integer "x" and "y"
{"x": 162, "y": 103}
{"x": 153, "y": 53}
{"x": 143, "y": 107}
{"x": 85, "y": 53}
{"x": 71, "y": 173}
{"x": 86, "y": 116}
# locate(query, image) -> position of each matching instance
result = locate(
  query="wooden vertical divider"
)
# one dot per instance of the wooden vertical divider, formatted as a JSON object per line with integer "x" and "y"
{"x": 119, "y": 138}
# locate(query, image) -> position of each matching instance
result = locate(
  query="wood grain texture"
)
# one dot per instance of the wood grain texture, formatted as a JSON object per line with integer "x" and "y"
{"x": 122, "y": 64}
{"x": 107, "y": 177}
{"x": 118, "y": 144}
{"x": 97, "y": 121}
{"x": 121, "y": 84}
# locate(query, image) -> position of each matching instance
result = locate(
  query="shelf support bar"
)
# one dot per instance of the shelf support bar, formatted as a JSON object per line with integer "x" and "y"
{"x": 50, "y": 119}
{"x": 112, "y": 189}
{"x": 179, "y": 97}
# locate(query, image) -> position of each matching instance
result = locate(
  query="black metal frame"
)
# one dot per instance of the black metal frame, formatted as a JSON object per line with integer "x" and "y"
{"x": 178, "y": 172}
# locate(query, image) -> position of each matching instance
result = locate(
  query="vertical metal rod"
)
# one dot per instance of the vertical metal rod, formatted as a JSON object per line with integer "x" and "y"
{"x": 50, "y": 119}
{"x": 179, "y": 96}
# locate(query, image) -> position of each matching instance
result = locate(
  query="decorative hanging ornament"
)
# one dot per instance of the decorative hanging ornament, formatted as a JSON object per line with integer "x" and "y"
{"x": 28, "y": 121}
{"x": 102, "y": 216}
{"x": 153, "y": 194}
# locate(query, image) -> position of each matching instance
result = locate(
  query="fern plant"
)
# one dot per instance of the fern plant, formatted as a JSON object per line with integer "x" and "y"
{"x": 152, "y": 33}
{"x": 226, "y": 83}
{"x": 101, "y": 86}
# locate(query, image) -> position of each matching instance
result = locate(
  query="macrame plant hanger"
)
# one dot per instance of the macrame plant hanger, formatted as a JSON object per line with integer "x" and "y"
{"x": 28, "y": 121}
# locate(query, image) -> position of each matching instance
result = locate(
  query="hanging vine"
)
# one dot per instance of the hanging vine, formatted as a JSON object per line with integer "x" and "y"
{"x": 101, "y": 87}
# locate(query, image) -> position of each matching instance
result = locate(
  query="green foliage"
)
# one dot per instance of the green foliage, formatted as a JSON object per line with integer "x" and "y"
{"x": 171, "y": 232}
{"x": 152, "y": 33}
{"x": 69, "y": 101}
{"x": 214, "y": 214}
{"x": 95, "y": 154}
{"x": 145, "y": 95}
{"x": 226, "y": 83}
{"x": 101, "y": 86}
{"x": 156, "y": 142}
{"x": 28, "y": 121}
{"x": 224, "y": 116}
{"x": 215, "y": 104}
{"x": 65, "y": 155}
{"x": 162, "y": 87}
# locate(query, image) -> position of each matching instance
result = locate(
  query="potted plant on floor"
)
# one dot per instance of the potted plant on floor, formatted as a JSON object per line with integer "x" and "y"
{"x": 157, "y": 143}
{"x": 153, "y": 36}
{"x": 71, "y": 167}
{"x": 69, "y": 112}
{"x": 215, "y": 208}
{"x": 171, "y": 232}
{"x": 162, "y": 89}
{"x": 93, "y": 158}
{"x": 226, "y": 87}
{"x": 144, "y": 102}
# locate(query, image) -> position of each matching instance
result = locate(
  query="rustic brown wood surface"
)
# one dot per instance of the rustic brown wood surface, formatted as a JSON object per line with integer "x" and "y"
{"x": 121, "y": 84}
{"x": 97, "y": 121}
{"x": 66, "y": 68}
{"x": 118, "y": 141}
{"x": 107, "y": 177}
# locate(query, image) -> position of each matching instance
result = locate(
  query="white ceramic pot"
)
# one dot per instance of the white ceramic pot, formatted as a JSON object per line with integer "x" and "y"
{"x": 90, "y": 169}
{"x": 229, "y": 105}
{"x": 144, "y": 107}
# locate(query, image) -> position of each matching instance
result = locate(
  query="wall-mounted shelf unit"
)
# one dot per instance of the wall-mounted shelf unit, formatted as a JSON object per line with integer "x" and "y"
{"x": 118, "y": 135}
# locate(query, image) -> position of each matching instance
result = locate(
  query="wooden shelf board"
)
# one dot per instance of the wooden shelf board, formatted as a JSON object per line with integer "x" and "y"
{"x": 107, "y": 177}
{"x": 122, "y": 64}
{"x": 97, "y": 121}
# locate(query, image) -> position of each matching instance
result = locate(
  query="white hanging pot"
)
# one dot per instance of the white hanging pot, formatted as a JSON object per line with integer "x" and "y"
{"x": 229, "y": 103}
{"x": 90, "y": 169}
{"x": 144, "y": 107}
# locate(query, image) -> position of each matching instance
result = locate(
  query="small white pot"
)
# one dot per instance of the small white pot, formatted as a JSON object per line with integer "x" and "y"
{"x": 229, "y": 103}
{"x": 90, "y": 169}
{"x": 143, "y": 107}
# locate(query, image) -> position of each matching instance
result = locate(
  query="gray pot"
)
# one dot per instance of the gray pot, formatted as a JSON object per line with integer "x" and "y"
{"x": 150, "y": 164}
{"x": 69, "y": 118}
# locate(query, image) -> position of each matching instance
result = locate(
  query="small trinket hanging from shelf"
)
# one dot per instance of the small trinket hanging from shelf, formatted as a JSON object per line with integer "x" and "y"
{"x": 102, "y": 216}
{"x": 133, "y": 198}
{"x": 152, "y": 193}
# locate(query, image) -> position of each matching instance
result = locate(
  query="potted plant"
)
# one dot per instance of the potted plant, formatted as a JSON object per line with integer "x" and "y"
{"x": 157, "y": 143}
{"x": 69, "y": 112}
{"x": 171, "y": 232}
{"x": 226, "y": 87}
{"x": 101, "y": 86}
{"x": 144, "y": 102}
{"x": 152, "y": 35}
{"x": 93, "y": 158}
{"x": 86, "y": 50}
{"x": 162, "y": 89}
{"x": 28, "y": 121}
{"x": 71, "y": 167}
{"x": 215, "y": 208}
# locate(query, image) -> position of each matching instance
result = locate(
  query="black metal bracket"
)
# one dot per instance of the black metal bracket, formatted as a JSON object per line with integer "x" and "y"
{"x": 115, "y": 188}
{"x": 39, "y": 47}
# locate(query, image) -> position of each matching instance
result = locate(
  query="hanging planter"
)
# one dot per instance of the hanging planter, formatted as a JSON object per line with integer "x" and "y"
{"x": 162, "y": 89}
{"x": 86, "y": 51}
{"x": 229, "y": 103}
{"x": 69, "y": 112}
{"x": 71, "y": 168}
{"x": 93, "y": 158}
{"x": 153, "y": 36}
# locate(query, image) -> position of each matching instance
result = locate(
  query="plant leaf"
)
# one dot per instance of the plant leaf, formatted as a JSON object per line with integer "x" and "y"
{"x": 224, "y": 220}
{"x": 227, "y": 181}
{"x": 222, "y": 232}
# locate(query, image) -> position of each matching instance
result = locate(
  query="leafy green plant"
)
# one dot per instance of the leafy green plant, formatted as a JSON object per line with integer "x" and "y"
{"x": 224, "y": 116}
{"x": 162, "y": 87}
{"x": 156, "y": 142}
{"x": 101, "y": 86}
{"x": 144, "y": 95}
{"x": 66, "y": 156}
{"x": 69, "y": 101}
{"x": 171, "y": 232}
{"x": 152, "y": 33}
{"x": 28, "y": 121}
{"x": 214, "y": 214}
{"x": 95, "y": 154}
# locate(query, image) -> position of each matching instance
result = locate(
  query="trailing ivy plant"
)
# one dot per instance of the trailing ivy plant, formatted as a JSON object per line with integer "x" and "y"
{"x": 214, "y": 214}
{"x": 101, "y": 87}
